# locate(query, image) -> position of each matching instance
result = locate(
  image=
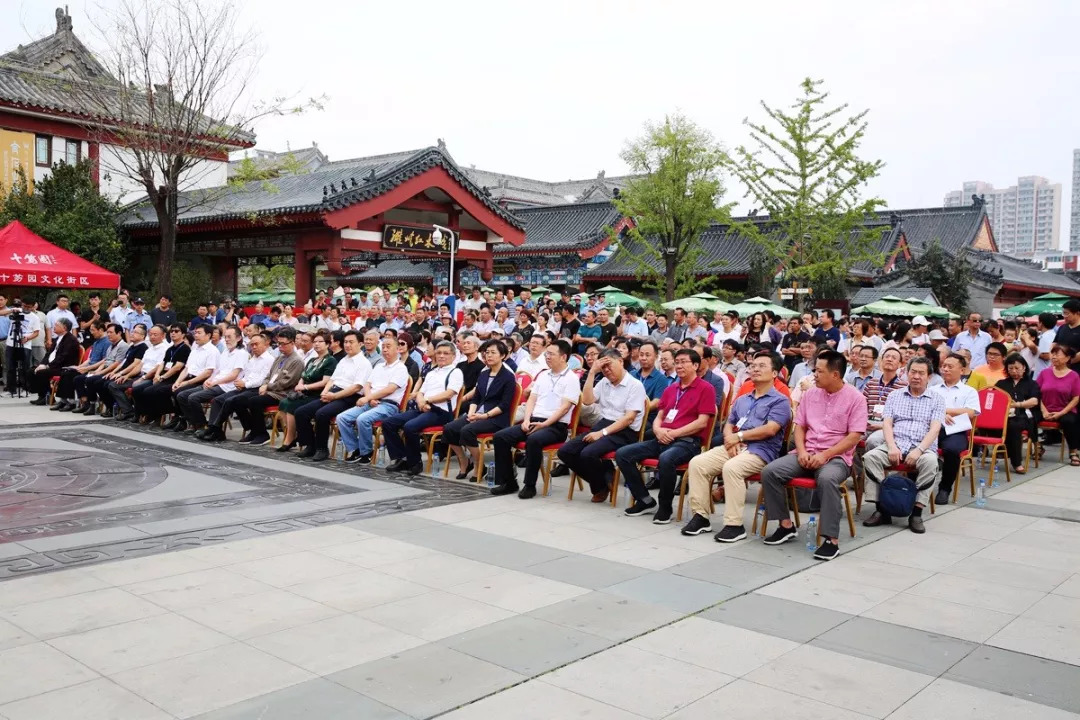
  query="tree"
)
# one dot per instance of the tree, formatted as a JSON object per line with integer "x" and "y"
{"x": 177, "y": 95}
{"x": 676, "y": 197}
{"x": 949, "y": 276}
{"x": 67, "y": 210}
{"x": 804, "y": 173}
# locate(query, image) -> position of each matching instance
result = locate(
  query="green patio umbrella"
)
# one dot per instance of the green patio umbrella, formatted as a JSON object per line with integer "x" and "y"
{"x": 1050, "y": 302}
{"x": 928, "y": 310}
{"x": 540, "y": 290}
{"x": 760, "y": 304}
{"x": 254, "y": 296}
{"x": 618, "y": 297}
{"x": 890, "y": 305}
{"x": 607, "y": 289}
{"x": 698, "y": 302}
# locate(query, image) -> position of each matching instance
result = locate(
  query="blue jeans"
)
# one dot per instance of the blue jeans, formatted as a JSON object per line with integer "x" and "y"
{"x": 354, "y": 425}
{"x": 412, "y": 422}
{"x": 670, "y": 457}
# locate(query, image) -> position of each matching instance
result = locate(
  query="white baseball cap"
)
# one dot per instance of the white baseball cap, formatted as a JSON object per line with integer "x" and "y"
{"x": 938, "y": 335}
{"x": 919, "y": 320}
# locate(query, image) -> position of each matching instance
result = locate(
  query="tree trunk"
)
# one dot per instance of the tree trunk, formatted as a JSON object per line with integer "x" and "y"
{"x": 167, "y": 249}
{"x": 669, "y": 266}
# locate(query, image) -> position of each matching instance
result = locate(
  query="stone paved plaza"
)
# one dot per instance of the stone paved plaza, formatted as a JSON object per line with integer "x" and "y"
{"x": 146, "y": 576}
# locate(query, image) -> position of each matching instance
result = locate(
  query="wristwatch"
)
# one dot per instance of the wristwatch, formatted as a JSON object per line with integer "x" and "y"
{"x": 739, "y": 435}
{"x": 604, "y": 432}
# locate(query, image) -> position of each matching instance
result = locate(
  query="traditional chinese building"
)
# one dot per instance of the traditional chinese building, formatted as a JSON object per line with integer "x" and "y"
{"x": 46, "y": 117}
{"x": 371, "y": 220}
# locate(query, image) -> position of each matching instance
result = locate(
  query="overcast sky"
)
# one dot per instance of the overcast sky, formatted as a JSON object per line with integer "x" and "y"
{"x": 551, "y": 90}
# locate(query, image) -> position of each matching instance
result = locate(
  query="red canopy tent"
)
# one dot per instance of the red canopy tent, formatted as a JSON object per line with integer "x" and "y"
{"x": 27, "y": 259}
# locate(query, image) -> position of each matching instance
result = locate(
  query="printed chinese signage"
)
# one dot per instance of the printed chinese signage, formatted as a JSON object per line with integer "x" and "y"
{"x": 40, "y": 270}
{"x": 402, "y": 237}
{"x": 16, "y": 150}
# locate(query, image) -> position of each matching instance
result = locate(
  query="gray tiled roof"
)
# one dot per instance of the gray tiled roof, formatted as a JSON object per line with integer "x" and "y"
{"x": 865, "y": 296}
{"x": 726, "y": 253}
{"x": 517, "y": 191}
{"x": 954, "y": 227}
{"x": 336, "y": 185}
{"x": 387, "y": 270}
{"x": 570, "y": 227}
{"x": 1021, "y": 272}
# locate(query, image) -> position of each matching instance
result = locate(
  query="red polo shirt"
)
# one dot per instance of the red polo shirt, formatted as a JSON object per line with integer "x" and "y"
{"x": 698, "y": 398}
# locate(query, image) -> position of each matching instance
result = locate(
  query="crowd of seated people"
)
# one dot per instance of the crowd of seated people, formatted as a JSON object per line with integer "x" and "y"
{"x": 675, "y": 405}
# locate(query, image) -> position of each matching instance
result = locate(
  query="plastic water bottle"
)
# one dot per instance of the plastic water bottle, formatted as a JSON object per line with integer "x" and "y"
{"x": 489, "y": 475}
{"x": 980, "y": 493}
{"x": 381, "y": 460}
{"x": 760, "y": 517}
{"x": 811, "y": 534}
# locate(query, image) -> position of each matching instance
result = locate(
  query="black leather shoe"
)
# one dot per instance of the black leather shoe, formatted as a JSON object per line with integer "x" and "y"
{"x": 179, "y": 427}
{"x": 320, "y": 456}
{"x": 60, "y": 406}
{"x": 398, "y": 465}
{"x": 653, "y": 484}
{"x": 285, "y": 447}
{"x": 877, "y": 519}
{"x": 66, "y": 407}
{"x": 173, "y": 424}
{"x": 82, "y": 408}
{"x": 504, "y": 489}
{"x": 40, "y": 401}
{"x": 126, "y": 417}
{"x": 414, "y": 470}
{"x": 527, "y": 492}
{"x": 915, "y": 524}
{"x": 307, "y": 452}
{"x": 942, "y": 497}
{"x": 465, "y": 473}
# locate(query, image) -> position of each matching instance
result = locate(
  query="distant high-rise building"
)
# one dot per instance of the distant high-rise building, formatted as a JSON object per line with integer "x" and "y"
{"x": 1074, "y": 225}
{"x": 1025, "y": 218}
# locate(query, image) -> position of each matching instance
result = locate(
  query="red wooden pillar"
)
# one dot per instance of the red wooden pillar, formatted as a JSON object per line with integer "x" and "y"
{"x": 303, "y": 276}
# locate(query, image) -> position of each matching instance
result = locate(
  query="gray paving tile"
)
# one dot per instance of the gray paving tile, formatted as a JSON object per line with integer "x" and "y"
{"x": 527, "y": 645}
{"x": 1019, "y": 508}
{"x": 426, "y": 680}
{"x": 1023, "y": 676}
{"x": 609, "y": 616}
{"x": 585, "y": 571}
{"x": 317, "y": 698}
{"x": 1066, "y": 514}
{"x": 674, "y": 591}
{"x": 776, "y": 616}
{"x": 392, "y": 524}
{"x": 733, "y": 572}
{"x": 792, "y": 555}
{"x": 483, "y": 547}
{"x": 895, "y": 645}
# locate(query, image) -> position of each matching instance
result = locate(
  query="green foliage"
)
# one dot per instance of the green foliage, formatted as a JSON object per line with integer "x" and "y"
{"x": 803, "y": 172}
{"x": 676, "y": 198}
{"x": 68, "y": 210}
{"x": 191, "y": 284}
{"x": 949, "y": 276}
{"x": 267, "y": 278}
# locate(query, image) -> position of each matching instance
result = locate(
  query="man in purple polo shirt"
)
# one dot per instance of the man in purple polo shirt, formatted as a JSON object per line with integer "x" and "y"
{"x": 829, "y": 423}
{"x": 680, "y": 427}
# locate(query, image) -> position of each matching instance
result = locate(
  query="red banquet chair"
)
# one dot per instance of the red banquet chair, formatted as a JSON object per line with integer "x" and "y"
{"x": 989, "y": 431}
{"x": 654, "y": 463}
{"x": 434, "y": 432}
{"x": 484, "y": 439}
{"x": 376, "y": 427}
{"x": 575, "y": 480}
{"x": 1047, "y": 425}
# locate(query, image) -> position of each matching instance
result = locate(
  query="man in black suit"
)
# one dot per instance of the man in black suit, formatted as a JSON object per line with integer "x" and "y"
{"x": 65, "y": 353}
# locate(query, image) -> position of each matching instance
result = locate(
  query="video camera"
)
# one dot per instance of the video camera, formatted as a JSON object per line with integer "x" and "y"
{"x": 16, "y": 316}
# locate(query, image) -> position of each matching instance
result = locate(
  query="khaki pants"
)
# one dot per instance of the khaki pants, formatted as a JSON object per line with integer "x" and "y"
{"x": 734, "y": 470}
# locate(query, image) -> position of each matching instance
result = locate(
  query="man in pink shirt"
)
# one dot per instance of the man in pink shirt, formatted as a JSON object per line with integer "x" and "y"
{"x": 829, "y": 423}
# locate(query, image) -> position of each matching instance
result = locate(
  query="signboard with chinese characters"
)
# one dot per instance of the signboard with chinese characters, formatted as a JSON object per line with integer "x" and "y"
{"x": 40, "y": 271}
{"x": 412, "y": 239}
{"x": 16, "y": 150}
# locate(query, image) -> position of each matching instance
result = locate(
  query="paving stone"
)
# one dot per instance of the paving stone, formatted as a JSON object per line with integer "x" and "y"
{"x": 673, "y": 591}
{"x": 586, "y": 571}
{"x": 895, "y": 645}
{"x": 526, "y": 645}
{"x": 426, "y": 680}
{"x": 317, "y": 699}
{"x": 1021, "y": 676}
{"x": 953, "y": 700}
{"x": 776, "y": 616}
{"x": 99, "y": 699}
{"x": 609, "y": 616}
{"x": 482, "y": 547}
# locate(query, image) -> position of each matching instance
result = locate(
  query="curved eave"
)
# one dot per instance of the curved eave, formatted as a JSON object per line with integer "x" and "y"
{"x": 234, "y": 221}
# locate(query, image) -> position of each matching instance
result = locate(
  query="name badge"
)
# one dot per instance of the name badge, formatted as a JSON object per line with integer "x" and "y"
{"x": 168, "y": 366}
{"x": 273, "y": 379}
{"x": 742, "y": 421}
{"x": 670, "y": 417}
{"x": 879, "y": 410}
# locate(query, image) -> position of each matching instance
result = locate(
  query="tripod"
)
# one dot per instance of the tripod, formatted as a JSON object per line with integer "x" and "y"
{"x": 17, "y": 360}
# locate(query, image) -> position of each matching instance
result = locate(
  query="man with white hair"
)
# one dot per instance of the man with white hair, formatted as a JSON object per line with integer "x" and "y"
{"x": 379, "y": 399}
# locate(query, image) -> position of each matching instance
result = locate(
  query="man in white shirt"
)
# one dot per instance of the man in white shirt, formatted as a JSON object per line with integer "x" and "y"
{"x": 123, "y": 378}
{"x": 201, "y": 365}
{"x": 487, "y": 324}
{"x": 254, "y": 374}
{"x": 119, "y": 312}
{"x": 381, "y": 398}
{"x": 622, "y": 405}
{"x": 973, "y": 339}
{"x": 961, "y": 408}
{"x": 547, "y": 420}
{"x": 189, "y": 401}
{"x": 63, "y": 303}
{"x": 474, "y": 302}
{"x": 634, "y": 326}
{"x": 313, "y": 420}
{"x": 1038, "y": 352}
{"x": 729, "y": 330}
{"x": 533, "y": 361}
{"x": 432, "y": 404}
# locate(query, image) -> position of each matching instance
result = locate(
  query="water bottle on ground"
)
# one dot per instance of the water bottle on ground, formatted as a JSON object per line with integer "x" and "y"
{"x": 811, "y": 534}
{"x": 760, "y": 516}
{"x": 489, "y": 475}
{"x": 980, "y": 494}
